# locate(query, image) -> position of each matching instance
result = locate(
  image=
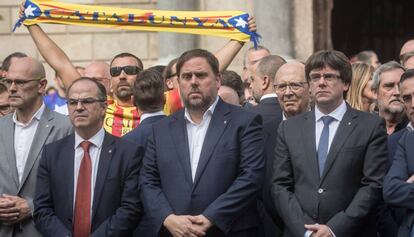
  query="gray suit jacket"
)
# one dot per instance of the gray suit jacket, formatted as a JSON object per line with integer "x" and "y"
{"x": 346, "y": 195}
{"x": 52, "y": 126}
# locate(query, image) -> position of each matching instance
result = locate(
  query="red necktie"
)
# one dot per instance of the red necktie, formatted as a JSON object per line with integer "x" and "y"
{"x": 82, "y": 222}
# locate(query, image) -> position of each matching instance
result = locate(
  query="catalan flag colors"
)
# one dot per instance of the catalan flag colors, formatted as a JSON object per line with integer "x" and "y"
{"x": 120, "y": 120}
{"x": 172, "y": 102}
{"x": 230, "y": 24}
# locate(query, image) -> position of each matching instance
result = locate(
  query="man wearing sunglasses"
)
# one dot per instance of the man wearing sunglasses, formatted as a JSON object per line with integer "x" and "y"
{"x": 122, "y": 117}
{"x": 22, "y": 137}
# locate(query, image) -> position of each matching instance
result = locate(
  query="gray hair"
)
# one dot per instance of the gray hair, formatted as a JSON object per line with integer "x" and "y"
{"x": 389, "y": 66}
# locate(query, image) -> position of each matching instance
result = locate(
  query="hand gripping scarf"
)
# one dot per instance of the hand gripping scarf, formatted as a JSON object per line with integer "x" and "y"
{"x": 229, "y": 24}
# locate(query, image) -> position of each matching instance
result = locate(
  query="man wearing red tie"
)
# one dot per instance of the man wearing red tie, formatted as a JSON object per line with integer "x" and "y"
{"x": 87, "y": 183}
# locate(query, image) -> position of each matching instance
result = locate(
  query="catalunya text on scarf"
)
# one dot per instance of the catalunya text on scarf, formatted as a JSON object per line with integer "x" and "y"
{"x": 229, "y": 24}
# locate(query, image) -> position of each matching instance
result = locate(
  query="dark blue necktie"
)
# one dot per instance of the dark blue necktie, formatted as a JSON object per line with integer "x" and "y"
{"x": 324, "y": 143}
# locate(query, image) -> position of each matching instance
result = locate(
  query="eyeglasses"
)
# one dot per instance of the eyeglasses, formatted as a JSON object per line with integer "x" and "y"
{"x": 315, "y": 77}
{"x": 18, "y": 82}
{"x": 129, "y": 70}
{"x": 294, "y": 86}
{"x": 83, "y": 101}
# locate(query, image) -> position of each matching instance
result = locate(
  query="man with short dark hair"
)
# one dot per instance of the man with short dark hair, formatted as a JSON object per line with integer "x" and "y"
{"x": 329, "y": 162}
{"x": 204, "y": 165}
{"x": 233, "y": 80}
{"x": 87, "y": 183}
{"x": 22, "y": 137}
{"x": 261, "y": 85}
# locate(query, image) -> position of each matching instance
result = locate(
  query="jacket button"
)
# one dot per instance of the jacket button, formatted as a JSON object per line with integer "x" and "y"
{"x": 314, "y": 216}
{"x": 320, "y": 190}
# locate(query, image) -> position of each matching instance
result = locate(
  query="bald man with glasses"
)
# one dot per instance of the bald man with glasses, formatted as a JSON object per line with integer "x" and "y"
{"x": 23, "y": 135}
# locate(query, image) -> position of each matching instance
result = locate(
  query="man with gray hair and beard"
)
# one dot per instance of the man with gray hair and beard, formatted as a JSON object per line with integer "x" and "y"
{"x": 390, "y": 106}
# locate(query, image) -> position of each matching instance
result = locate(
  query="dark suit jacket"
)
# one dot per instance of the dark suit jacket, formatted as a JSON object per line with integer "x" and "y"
{"x": 347, "y": 194}
{"x": 141, "y": 133}
{"x": 396, "y": 190}
{"x": 269, "y": 109}
{"x": 116, "y": 206}
{"x": 140, "y": 136}
{"x": 229, "y": 175}
{"x": 272, "y": 225}
{"x": 393, "y": 143}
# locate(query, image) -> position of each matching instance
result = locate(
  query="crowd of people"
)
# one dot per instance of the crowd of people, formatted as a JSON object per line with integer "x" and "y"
{"x": 283, "y": 148}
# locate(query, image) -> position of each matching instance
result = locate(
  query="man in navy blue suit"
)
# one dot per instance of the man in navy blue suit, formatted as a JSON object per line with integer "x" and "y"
{"x": 87, "y": 183}
{"x": 204, "y": 165}
{"x": 149, "y": 99}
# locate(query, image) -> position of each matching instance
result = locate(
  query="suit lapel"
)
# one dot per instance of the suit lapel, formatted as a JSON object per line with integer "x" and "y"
{"x": 308, "y": 135}
{"x": 345, "y": 128}
{"x": 179, "y": 130}
{"x": 105, "y": 158}
{"x": 218, "y": 123}
{"x": 67, "y": 169}
{"x": 42, "y": 132}
{"x": 11, "y": 156}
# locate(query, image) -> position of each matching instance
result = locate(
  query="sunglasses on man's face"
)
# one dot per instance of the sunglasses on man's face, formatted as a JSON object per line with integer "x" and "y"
{"x": 129, "y": 70}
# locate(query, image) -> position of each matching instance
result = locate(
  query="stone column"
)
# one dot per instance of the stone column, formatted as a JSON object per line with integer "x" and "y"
{"x": 274, "y": 25}
{"x": 172, "y": 45}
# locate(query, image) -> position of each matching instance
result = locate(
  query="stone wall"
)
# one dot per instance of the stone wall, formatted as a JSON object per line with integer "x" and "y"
{"x": 86, "y": 44}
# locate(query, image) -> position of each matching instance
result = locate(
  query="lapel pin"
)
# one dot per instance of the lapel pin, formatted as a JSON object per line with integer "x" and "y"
{"x": 349, "y": 123}
{"x": 110, "y": 151}
{"x": 47, "y": 125}
{"x": 225, "y": 121}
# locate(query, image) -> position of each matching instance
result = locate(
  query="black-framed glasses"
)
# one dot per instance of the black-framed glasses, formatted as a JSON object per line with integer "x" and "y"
{"x": 83, "y": 101}
{"x": 18, "y": 82}
{"x": 315, "y": 77}
{"x": 129, "y": 70}
{"x": 294, "y": 86}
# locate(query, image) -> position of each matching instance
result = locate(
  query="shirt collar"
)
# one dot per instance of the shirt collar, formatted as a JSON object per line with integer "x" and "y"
{"x": 96, "y": 139}
{"x": 148, "y": 115}
{"x": 410, "y": 127}
{"x": 36, "y": 116}
{"x": 337, "y": 114}
{"x": 209, "y": 111}
{"x": 271, "y": 95}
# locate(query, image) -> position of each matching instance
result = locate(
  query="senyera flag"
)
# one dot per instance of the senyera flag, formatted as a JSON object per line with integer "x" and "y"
{"x": 230, "y": 24}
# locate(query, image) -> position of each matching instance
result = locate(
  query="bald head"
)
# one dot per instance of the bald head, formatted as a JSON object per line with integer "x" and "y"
{"x": 99, "y": 71}
{"x": 29, "y": 66}
{"x": 292, "y": 68}
{"x": 407, "y": 47}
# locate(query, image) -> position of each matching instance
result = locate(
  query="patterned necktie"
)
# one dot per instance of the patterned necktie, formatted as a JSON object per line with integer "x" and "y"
{"x": 82, "y": 222}
{"x": 324, "y": 143}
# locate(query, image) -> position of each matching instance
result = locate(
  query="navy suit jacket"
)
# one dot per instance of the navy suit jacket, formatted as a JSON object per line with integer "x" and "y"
{"x": 229, "y": 175}
{"x": 141, "y": 133}
{"x": 269, "y": 109}
{"x": 116, "y": 208}
{"x": 396, "y": 190}
{"x": 393, "y": 143}
{"x": 140, "y": 136}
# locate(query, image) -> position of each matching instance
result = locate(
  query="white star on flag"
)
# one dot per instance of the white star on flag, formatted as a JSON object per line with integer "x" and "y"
{"x": 29, "y": 11}
{"x": 241, "y": 22}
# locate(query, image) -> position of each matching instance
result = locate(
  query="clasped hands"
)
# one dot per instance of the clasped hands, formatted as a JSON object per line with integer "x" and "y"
{"x": 187, "y": 226}
{"x": 13, "y": 209}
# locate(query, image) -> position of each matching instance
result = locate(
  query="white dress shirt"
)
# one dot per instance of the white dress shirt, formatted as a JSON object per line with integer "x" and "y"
{"x": 270, "y": 95}
{"x": 23, "y": 139}
{"x": 337, "y": 114}
{"x": 196, "y": 134}
{"x": 149, "y": 115}
{"x": 94, "y": 152}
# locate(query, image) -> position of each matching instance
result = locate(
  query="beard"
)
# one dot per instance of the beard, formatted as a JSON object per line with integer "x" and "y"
{"x": 123, "y": 93}
{"x": 201, "y": 103}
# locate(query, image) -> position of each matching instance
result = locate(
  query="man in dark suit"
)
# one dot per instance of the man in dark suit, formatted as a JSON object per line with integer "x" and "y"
{"x": 87, "y": 183}
{"x": 329, "y": 162}
{"x": 204, "y": 166}
{"x": 149, "y": 99}
{"x": 398, "y": 183}
{"x": 261, "y": 85}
